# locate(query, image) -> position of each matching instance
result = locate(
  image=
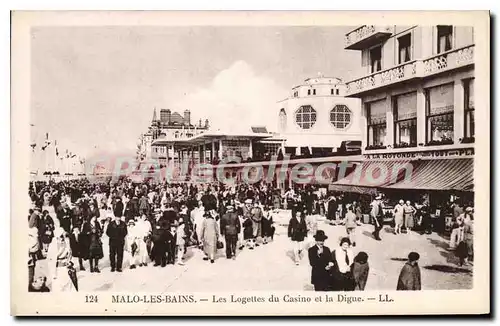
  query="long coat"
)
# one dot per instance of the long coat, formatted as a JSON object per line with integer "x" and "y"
{"x": 209, "y": 236}
{"x": 118, "y": 209}
{"x": 319, "y": 275}
{"x": 46, "y": 229}
{"x": 297, "y": 230}
{"x": 409, "y": 278}
{"x": 230, "y": 224}
{"x": 360, "y": 274}
{"x": 332, "y": 208}
{"x": 93, "y": 235}
{"x": 256, "y": 216}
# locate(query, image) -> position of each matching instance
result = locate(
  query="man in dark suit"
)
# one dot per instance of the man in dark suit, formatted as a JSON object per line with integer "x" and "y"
{"x": 116, "y": 231}
{"x": 169, "y": 215}
{"x": 332, "y": 209}
{"x": 160, "y": 227}
{"x": 118, "y": 208}
{"x": 230, "y": 228}
{"x": 321, "y": 260}
{"x": 171, "y": 242}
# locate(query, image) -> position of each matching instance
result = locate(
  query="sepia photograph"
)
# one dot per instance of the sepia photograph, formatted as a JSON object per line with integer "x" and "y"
{"x": 228, "y": 163}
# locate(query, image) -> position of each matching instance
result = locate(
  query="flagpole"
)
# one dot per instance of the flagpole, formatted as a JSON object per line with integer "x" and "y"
{"x": 45, "y": 153}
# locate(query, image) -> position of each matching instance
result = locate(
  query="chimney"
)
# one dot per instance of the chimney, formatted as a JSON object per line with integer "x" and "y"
{"x": 200, "y": 123}
{"x": 187, "y": 117}
{"x": 165, "y": 116}
{"x": 206, "y": 123}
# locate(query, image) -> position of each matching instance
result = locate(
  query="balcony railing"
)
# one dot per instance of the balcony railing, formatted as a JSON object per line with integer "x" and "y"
{"x": 446, "y": 61}
{"x": 393, "y": 75}
{"x": 358, "y": 38}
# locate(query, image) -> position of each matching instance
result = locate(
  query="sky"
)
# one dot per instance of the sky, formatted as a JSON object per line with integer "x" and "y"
{"x": 94, "y": 89}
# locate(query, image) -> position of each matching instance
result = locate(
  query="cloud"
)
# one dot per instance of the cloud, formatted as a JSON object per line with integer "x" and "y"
{"x": 236, "y": 99}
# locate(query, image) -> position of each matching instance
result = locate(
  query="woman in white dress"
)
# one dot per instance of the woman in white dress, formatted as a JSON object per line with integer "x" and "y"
{"x": 60, "y": 265}
{"x": 143, "y": 228}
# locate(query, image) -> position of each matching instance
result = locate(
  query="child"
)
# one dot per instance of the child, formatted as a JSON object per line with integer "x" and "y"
{"x": 132, "y": 243}
{"x": 360, "y": 270}
{"x": 172, "y": 243}
{"x": 248, "y": 232}
{"x": 267, "y": 226}
{"x": 182, "y": 236}
{"x": 39, "y": 285}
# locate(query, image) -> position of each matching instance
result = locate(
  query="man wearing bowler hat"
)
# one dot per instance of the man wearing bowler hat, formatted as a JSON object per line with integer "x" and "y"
{"x": 320, "y": 258}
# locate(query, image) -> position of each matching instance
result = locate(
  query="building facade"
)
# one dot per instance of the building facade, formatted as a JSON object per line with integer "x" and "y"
{"x": 170, "y": 126}
{"x": 416, "y": 84}
{"x": 318, "y": 117}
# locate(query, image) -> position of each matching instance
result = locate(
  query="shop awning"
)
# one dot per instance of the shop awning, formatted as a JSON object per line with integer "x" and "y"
{"x": 440, "y": 174}
{"x": 373, "y": 174}
{"x": 423, "y": 174}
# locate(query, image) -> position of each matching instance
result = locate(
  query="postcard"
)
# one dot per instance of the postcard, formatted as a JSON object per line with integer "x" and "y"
{"x": 250, "y": 163}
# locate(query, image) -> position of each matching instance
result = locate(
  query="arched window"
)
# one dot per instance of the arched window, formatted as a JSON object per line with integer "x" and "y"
{"x": 282, "y": 118}
{"x": 340, "y": 116}
{"x": 305, "y": 117}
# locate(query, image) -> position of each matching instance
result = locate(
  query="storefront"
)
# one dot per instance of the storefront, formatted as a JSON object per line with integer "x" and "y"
{"x": 437, "y": 178}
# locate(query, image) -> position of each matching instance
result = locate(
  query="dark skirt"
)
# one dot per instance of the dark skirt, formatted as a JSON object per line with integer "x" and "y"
{"x": 248, "y": 233}
{"x": 461, "y": 251}
{"x": 77, "y": 249}
{"x": 343, "y": 282}
{"x": 95, "y": 248}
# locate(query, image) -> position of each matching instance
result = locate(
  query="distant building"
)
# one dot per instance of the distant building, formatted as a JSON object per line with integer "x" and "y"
{"x": 317, "y": 117}
{"x": 170, "y": 126}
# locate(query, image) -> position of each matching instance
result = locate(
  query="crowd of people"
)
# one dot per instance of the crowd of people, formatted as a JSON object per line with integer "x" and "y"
{"x": 157, "y": 223}
{"x": 151, "y": 222}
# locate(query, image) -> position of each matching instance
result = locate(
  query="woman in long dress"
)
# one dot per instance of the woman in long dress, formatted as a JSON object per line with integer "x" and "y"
{"x": 209, "y": 236}
{"x": 93, "y": 232}
{"x": 409, "y": 212}
{"x": 60, "y": 265}
{"x": 399, "y": 214}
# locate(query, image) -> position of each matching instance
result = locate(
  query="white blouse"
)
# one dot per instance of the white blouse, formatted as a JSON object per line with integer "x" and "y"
{"x": 340, "y": 257}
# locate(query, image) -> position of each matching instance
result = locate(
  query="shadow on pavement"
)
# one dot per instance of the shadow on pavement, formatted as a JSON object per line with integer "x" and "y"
{"x": 290, "y": 255}
{"x": 399, "y": 259}
{"x": 448, "y": 269}
{"x": 443, "y": 250}
{"x": 368, "y": 234}
{"x": 104, "y": 287}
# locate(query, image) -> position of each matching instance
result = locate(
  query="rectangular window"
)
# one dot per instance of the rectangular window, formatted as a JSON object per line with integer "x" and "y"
{"x": 439, "y": 106}
{"x": 308, "y": 92}
{"x": 469, "y": 131}
{"x": 336, "y": 92}
{"x": 405, "y": 120}
{"x": 331, "y": 91}
{"x": 314, "y": 92}
{"x": 444, "y": 38}
{"x": 376, "y": 59}
{"x": 404, "y": 45}
{"x": 377, "y": 123}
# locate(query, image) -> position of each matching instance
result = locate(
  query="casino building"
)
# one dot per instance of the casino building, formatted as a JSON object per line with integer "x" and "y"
{"x": 317, "y": 124}
{"x": 317, "y": 117}
{"x": 416, "y": 86}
